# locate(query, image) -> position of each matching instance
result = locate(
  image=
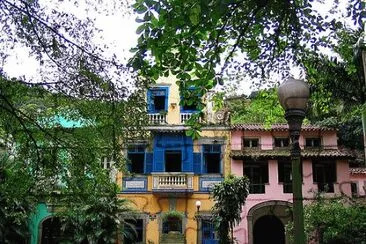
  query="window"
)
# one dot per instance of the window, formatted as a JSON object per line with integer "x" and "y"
{"x": 312, "y": 142}
{"x": 251, "y": 142}
{"x": 136, "y": 157}
{"x": 257, "y": 172}
{"x": 285, "y": 175}
{"x": 135, "y": 230}
{"x": 107, "y": 162}
{"x": 281, "y": 142}
{"x": 157, "y": 99}
{"x": 173, "y": 161}
{"x": 212, "y": 158}
{"x": 354, "y": 189}
{"x": 324, "y": 174}
{"x": 172, "y": 223}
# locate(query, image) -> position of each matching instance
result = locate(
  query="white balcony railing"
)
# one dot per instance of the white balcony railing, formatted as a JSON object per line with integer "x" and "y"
{"x": 184, "y": 117}
{"x": 172, "y": 181}
{"x": 157, "y": 118}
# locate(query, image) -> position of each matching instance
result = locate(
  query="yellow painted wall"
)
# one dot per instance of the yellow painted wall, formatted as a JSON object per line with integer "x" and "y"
{"x": 156, "y": 205}
{"x": 173, "y": 116}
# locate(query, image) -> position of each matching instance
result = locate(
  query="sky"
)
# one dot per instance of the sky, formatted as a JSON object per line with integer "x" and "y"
{"x": 118, "y": 32}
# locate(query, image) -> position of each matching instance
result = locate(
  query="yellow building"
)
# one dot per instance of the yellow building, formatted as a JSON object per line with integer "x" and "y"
{"x": 169, "y": 174}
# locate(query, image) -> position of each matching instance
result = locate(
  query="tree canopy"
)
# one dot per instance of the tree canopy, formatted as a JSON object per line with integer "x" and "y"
{"x": 53, "y": 145}
{"x": 203, "y": 43}
{"x": 262, "y": 107}
{"x": 340, "y": 220}
{"x": 229, "y": 197}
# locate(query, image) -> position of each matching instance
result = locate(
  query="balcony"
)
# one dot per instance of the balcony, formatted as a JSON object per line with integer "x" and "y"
{"x": 157, "y": 119}
{"x": 184, "y": 117}
{"x": 172, "y": 182}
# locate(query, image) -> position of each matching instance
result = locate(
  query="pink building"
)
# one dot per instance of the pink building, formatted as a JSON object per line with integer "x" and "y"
{"x": 358, "y": 182}
{"x": 263, "y": 154}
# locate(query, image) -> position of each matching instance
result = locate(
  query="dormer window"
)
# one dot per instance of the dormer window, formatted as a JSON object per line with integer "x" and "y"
{"x": 251, "y": 142}
{"x": 281, "y": 142}
{"x": 313, "y": 142}
{"x": 157, "y": 99}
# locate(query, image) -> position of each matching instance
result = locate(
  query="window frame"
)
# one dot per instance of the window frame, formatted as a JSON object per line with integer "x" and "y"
{"x": 150, "y": 101}
{"x": 312, "y": 142}
{"x": 251, "y": 139}
{"x": 135, "y": 152}
{"x": 281, "y": 138}
{"x": 167, "y": 151}
{"x": 262, "y": 165}
{"x": 213, "y": 149}
{"x": 328, "y": 165}
{"x": 354, "y": 186}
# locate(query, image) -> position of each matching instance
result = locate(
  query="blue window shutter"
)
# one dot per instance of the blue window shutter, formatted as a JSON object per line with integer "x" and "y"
{"x": 148, "y": 162}
{"x": 197, "y": 163}
{"x": 150, "y": 101}
{"x": 159, "y": 149}
{"x": 187, "y": 154}
{"x": 158, "y": 164}
{"x": 166, "y": 98}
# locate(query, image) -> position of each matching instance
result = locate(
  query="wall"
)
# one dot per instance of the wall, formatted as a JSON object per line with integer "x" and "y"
{"x": 35, "y": 222}
{"x": 274, "y": 189}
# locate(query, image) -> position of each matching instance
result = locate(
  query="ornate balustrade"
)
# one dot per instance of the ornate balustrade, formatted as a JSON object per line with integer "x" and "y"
{"x": 171, "y": 182}
{"x": 157, "y": 119}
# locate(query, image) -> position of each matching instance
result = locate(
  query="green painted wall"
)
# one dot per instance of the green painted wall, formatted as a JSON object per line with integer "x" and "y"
{"x": 35, "y": 220}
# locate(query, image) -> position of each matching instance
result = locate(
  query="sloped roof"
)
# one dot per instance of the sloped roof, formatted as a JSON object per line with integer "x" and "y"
{"x": 276, "y": 153}
{"x": 277, "y": 127}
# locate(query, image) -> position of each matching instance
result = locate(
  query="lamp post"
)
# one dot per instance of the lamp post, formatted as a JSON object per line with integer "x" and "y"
{"x": 293, "y": 95}
{"x": 197, "y": 217}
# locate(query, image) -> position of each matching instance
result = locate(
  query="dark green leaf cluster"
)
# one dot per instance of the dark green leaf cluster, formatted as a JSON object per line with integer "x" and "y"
{"x": 59, "y": 163}
{"x": 338, "y": 89}
{"x": 229, "y": 197}
{"x": 16, "y": 199}
{"x": 263, "y": 107}
{"x": 335, "y": 221}
{"x": 203, "y": 42}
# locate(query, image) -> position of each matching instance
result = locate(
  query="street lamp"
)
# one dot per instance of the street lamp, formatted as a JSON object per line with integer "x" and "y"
{"x": 197, "y": 217}
{"x": 198, "y": 205}
{"x": 293, "y": 95}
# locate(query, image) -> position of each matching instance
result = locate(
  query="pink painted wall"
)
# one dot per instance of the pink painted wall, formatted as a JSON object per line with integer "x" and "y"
{"x": 274, "y": 189}
{"x": 360, "y": 180}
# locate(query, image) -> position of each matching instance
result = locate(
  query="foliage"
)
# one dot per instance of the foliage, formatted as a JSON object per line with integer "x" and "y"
{"x": 338, "y": 89}
{"x": 95, "y": 218}
{"x": 16, "y": 199}
{"x": 335, "y": 220}
{"x": 172, "y": 214}
{"x": 80, "y": 83}
{"x": 58, "y": 143}
{"x": 263, "y": 107}
{"x": 202, "y": 43}
{"x": 64, "y": 45}
{"x": 229, "y": 197}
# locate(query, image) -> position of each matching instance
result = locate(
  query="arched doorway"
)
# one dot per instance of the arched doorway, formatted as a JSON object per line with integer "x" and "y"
{"x": 51, "y": 231}
{"x": 269, "y": 229}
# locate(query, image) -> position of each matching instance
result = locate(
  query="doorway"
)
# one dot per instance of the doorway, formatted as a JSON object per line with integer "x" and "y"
{"x": 269, "y": 229}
